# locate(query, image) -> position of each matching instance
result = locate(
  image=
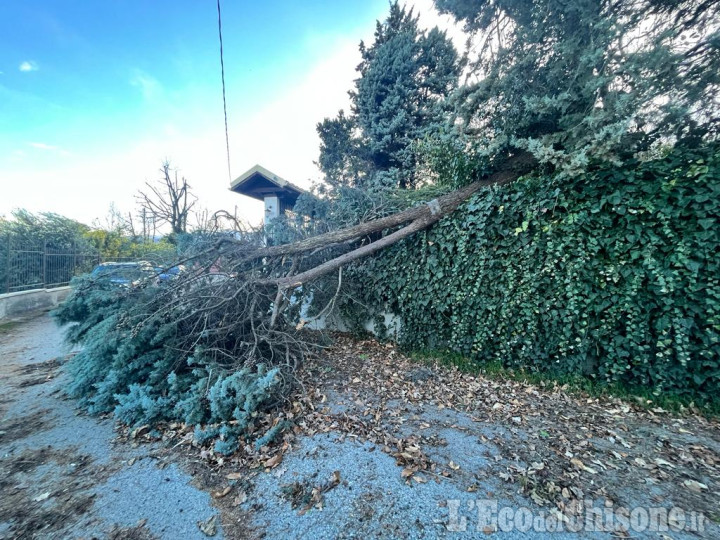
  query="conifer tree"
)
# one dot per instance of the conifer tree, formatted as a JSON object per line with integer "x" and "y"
{"x": 398, "y": 99}
{"x": 588, "y": 80}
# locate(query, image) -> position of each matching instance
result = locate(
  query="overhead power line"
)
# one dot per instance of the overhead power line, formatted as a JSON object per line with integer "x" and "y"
{"x": 222, "y": 73}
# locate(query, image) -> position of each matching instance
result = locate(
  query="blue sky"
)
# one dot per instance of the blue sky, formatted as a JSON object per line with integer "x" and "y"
{"x": 93, "y": 95}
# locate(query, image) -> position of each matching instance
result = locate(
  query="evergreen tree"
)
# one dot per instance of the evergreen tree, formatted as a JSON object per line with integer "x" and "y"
{"x": 582, "y": 80}
{"x": 339, "y": 150}
{"x": 398, "y": 99}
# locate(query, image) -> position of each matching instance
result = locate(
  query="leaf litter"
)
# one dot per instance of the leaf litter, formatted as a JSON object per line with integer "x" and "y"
{"x": 45, "y": 489}
{"x": 557, "y": 447}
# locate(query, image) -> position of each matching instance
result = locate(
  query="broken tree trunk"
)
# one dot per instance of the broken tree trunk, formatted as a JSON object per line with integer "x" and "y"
{"x": 236, "y": 320}
{"x": 415, "y": 219}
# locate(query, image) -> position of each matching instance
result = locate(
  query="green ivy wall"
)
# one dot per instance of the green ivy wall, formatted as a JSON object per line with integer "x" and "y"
{"x": 614, "y": 276}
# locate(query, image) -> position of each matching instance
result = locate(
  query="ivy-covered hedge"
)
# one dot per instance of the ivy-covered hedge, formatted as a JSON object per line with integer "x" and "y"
{"x": 615, "y": 276}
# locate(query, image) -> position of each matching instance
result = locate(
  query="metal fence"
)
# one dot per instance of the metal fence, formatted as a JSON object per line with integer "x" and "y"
{"x": 26, "y": 265}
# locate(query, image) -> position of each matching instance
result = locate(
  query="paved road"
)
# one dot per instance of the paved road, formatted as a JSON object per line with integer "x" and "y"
{"x": 61, "y": 475}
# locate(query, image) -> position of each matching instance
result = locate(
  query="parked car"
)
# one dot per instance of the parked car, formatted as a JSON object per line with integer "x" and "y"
{"x": 170, "y": 273}
{"x": 124, "y": 274}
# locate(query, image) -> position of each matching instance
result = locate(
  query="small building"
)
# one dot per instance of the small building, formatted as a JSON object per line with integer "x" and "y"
{"x": 278, "y": 194}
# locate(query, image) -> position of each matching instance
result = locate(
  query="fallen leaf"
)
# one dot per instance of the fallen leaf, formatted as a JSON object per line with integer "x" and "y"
{"x": 234, "y": 476}
{"x": 454, "y": 466}
{"x": 42, "y": 497}
{"x": 240, "y": 498}
{"x": 208, "y": 527}
{"x": 221, "y": 494}
{"x": 273, "y": 461}
{"x": 137, "y": 432}
{"x": 580, "y": 465}
{"x": 694, "y": 485}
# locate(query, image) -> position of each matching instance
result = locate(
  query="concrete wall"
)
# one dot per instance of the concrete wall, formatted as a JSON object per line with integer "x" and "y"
{"x": 19, "y": 304}
{"x": 393, "y": 323}
{"x": 333, "y": 320}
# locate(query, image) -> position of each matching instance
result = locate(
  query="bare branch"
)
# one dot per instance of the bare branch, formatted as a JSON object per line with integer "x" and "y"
{"x": 169, "y": 200}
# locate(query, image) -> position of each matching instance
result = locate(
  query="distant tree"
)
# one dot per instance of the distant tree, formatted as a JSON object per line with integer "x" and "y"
{"x": 405, "y": 74}
{"x": 25, "y": 236}
{"x": 114, "y": 220}
{"x": 33, "y": 230}
{"x": 169, "y": 200}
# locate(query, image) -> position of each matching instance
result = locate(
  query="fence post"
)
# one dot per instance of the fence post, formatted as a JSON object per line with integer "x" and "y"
{"x": 45, "y": 264}
{"x": 7, "y": 266}
{"x": 74, "y": 259}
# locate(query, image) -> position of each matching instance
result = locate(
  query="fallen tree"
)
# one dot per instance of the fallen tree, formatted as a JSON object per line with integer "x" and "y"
{"x": 412, "y": 220}
{"x": 572, "y": 86}
{"x": 222, "y": 342}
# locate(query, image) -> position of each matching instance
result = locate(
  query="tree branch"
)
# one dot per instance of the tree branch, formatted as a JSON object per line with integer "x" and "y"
{"x": 427, "y": 213}
{"x": 420, "y": 217}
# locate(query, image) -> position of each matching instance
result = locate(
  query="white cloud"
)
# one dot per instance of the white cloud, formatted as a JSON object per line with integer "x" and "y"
{"x": 281, "y": 135}
{"x": 149, "y": 86}
{"x": 50, "y": 148}
{"x": 28, "y": 65}
{"x": 43, "y": 146}
{"x": 431, "y": 17}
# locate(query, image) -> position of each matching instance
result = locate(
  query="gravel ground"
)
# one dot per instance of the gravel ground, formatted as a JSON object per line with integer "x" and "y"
{"x": 61, "y": 475}
{"x": 372, "y": 500}
{"x": 389, "y": 448}
{"x": 381, "y": 448}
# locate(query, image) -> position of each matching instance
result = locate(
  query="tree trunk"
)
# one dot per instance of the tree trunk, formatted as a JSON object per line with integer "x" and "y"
{"x": 417, "y": 218}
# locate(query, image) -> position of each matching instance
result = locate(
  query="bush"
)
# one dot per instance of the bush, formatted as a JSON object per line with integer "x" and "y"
{"x": 613, "y": 276}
